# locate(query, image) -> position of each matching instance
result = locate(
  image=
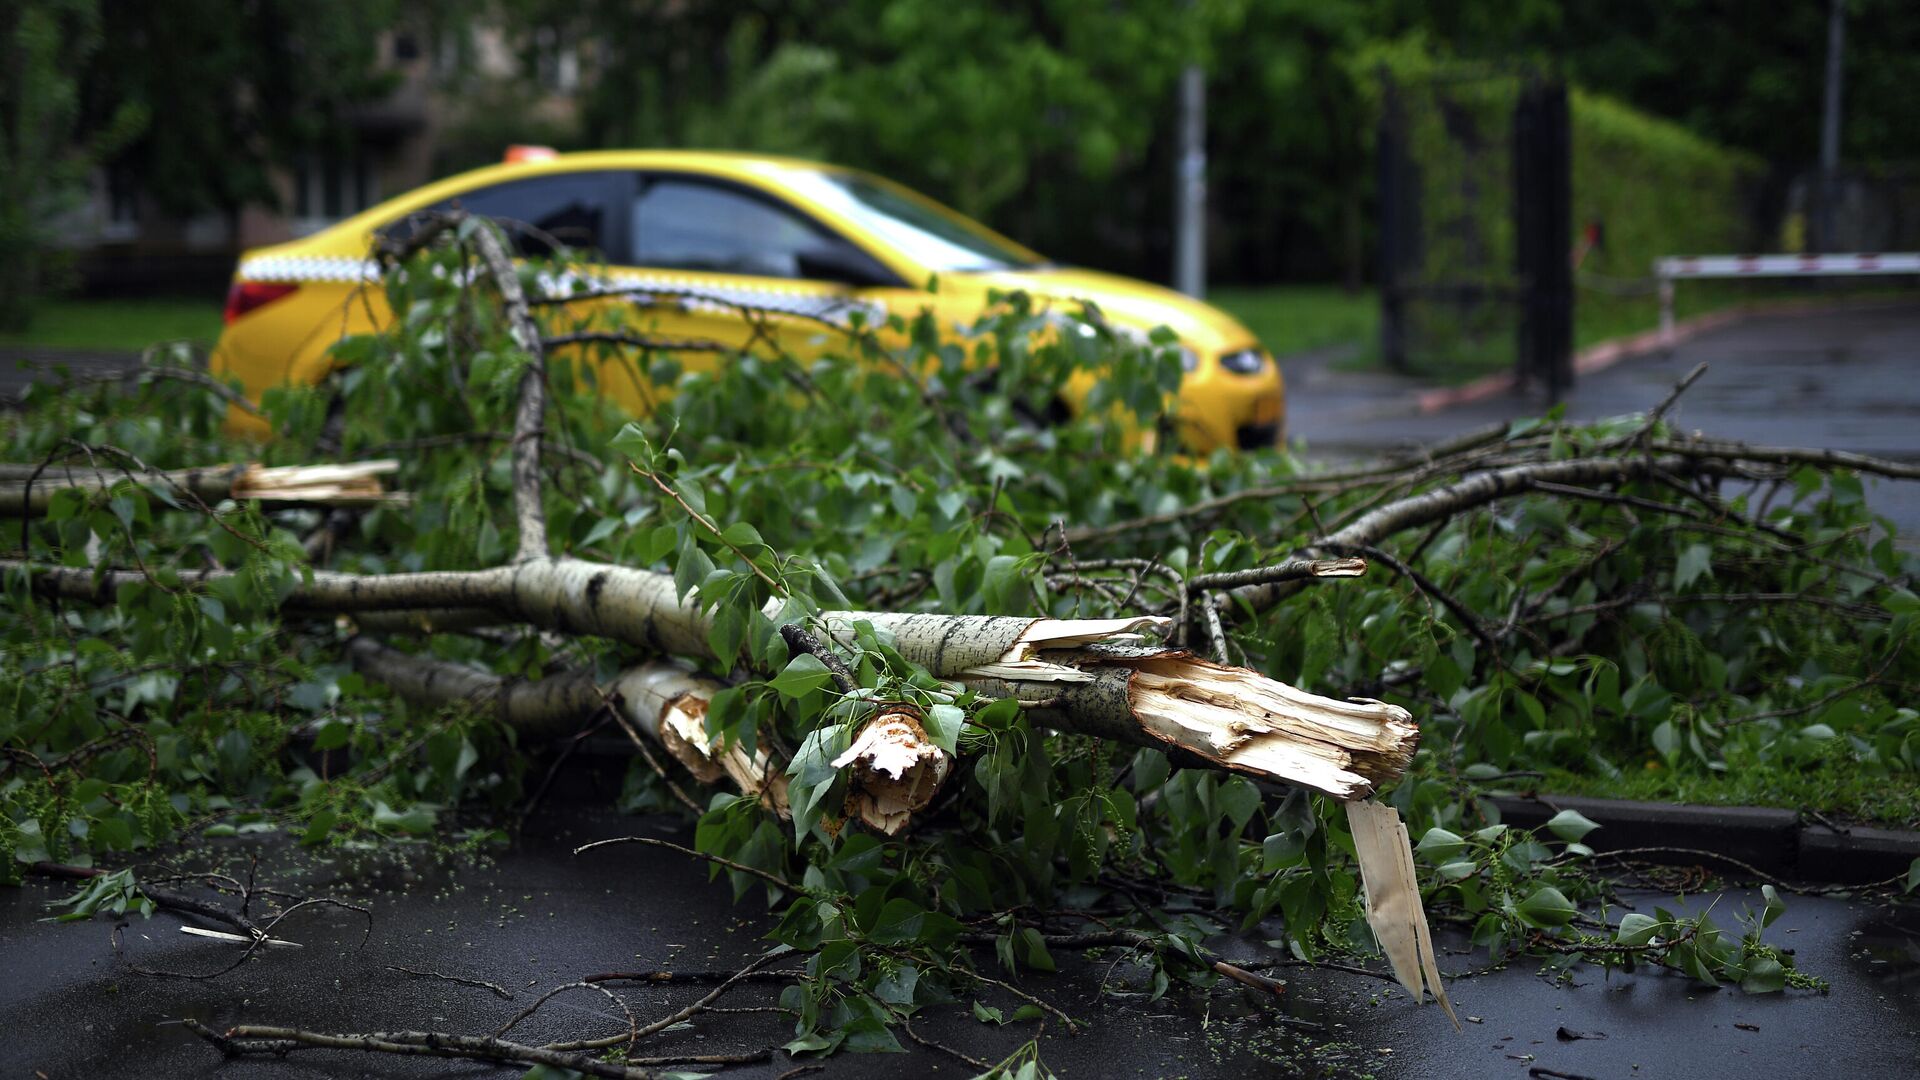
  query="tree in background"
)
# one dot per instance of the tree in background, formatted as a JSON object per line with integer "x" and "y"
{"x": 966, "y": 100}
{"x": 1750, "y": 75}
{"x": 1051, "y": 119}
{"x": 44, "y": 163}
{"x": 239, "y": 89}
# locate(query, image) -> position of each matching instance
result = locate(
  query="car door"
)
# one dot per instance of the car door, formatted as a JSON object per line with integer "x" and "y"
{"x": 716, "y": 261}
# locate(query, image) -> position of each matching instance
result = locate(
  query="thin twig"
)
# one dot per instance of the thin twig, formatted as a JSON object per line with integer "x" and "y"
{"x": 766, "y": 876}
{"x": 261, "y": 1039}
{"x": 800, "y": 640}
{"x": 499, "y": 991}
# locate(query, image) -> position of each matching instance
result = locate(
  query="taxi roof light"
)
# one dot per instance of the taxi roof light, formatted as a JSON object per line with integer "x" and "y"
{"x": 520, "y": 153}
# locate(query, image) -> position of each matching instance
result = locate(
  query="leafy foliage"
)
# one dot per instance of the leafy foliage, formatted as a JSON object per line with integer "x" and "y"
{"x": 1659, "y": 625}
{"x": 45, "y": 151}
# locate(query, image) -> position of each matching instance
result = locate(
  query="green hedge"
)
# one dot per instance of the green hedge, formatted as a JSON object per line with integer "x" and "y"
{"x": 1658, "y": 188}
{"x": 1655, "y": 188}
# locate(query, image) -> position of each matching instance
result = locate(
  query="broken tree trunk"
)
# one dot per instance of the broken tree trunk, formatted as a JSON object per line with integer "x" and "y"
{"x": 895, "y": 768}
{"x": 28, "y": 490}
{"x": 1230, "y": 718}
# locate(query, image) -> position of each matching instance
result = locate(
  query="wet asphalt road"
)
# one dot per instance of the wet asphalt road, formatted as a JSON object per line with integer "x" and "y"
{"x": 534, "y": 917}
{"x": 1845, "y": 380}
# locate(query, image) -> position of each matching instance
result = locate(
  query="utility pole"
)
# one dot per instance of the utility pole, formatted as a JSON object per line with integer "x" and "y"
{"x": 1829, "y": 186}
{"x": 1190, "y": 186}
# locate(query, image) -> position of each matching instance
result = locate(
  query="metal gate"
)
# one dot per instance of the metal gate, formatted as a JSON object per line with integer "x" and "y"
{"x": 1475, "y": 175}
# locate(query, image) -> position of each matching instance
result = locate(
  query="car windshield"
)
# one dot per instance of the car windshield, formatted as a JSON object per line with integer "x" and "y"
{"x": 930, "y": 235}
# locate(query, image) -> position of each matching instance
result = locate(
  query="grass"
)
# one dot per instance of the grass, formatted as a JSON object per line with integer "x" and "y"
{"x": 119, "y": 325}
{"x": 1833, "y": 785}
{"x": 1291, "y": 319}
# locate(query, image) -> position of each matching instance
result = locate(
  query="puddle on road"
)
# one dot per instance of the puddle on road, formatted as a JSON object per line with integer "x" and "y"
{"x": 1886, "y": 952}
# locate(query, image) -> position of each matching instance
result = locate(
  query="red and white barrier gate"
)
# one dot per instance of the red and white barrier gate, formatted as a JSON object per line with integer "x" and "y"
{"x": 1674, "y": 267}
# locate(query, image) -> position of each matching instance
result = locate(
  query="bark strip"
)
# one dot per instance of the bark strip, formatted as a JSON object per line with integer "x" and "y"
{"x": 1398, "y": 921}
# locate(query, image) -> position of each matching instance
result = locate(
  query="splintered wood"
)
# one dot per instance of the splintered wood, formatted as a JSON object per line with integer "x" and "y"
{"x": 355, "y": 484}
{"x": 668, "y": 704}
{"x": 1393, "y": 900}
{"x": 29, "y": 490}
{"x": 1105, "y": 682}
{"x": 897, "y": 771}
{"x": 1250, "y": 723}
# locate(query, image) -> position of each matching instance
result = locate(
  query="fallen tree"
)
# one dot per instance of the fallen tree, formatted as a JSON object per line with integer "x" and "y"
{"x": 1032, "y": 653}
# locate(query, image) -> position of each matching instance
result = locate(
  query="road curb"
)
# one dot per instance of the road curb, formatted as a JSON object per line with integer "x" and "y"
{"x": 1781, "y": 843}
{"x": 1604, "y": 354}
{"x": 1777, "y": 842}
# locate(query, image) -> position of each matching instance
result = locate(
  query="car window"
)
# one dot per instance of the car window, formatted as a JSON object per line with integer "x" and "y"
{"x": 565, "y": 208}
{"x": 686, "y": 224}
{"x": 932, "y": 235}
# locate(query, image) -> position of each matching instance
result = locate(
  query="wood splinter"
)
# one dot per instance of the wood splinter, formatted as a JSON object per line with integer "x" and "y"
{"x": 897, "y": 769}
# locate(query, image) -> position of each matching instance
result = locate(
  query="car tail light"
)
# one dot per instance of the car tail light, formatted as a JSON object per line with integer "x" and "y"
{"x": 244, "y": 296}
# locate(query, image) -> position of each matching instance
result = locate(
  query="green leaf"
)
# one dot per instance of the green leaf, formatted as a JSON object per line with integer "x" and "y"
{"x": 727, "y": 633}
{"x": 1151, "y": 769}
{"x": 1548, "y": 906}
{"x": 1764, "y": 976}
{"x": 871, "y": 1036}
{"x": 803, "y": 675}
{"x": 1571, "y": 826}
{"x": 899, "y": 922}
{"x": 1239, "y": 798}
{"x": 1636, "y": 929}
{"x": 1775, "y": 908}
{"x": 813, "y": 777}
{"x": 690, "y": 569}
{"x": 632, "y": 442}
{"x": 1037, "y": 956}
{"x": 332, "y": 735}
{"x": 1003, "y": 586}
{"x": 944, "y": 723}
{"x": 814, "y": 1042}
{"x": 1280, "y": 850}
{"x": 1438, "y": 845}
{"x": 988, "y": 1014}
{"x": 1694, "y": 562}
{"x": 898, "y": 988}
{"x": 320, "y": 827}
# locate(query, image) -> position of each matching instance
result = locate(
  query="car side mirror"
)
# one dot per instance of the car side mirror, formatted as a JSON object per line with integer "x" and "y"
{"x": 844, "y": 264}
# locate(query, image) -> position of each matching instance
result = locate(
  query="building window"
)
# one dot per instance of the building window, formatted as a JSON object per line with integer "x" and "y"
{"x": 330, "y": 186}
{"x": 120, "y": 217}
{"x": 556, "y": 61}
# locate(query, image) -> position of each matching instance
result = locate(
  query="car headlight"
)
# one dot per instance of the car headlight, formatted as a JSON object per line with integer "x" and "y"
{"x": 1244, "y": 362}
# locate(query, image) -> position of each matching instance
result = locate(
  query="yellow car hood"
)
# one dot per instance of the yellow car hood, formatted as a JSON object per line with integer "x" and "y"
{"x": 1134, "y": 303}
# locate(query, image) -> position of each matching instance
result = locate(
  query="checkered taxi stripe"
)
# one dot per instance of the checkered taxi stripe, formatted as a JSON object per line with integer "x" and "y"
{"x": 685, "y": 293}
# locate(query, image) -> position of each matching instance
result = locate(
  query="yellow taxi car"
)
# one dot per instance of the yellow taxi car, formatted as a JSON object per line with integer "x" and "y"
{"x": 745, "y": 234}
